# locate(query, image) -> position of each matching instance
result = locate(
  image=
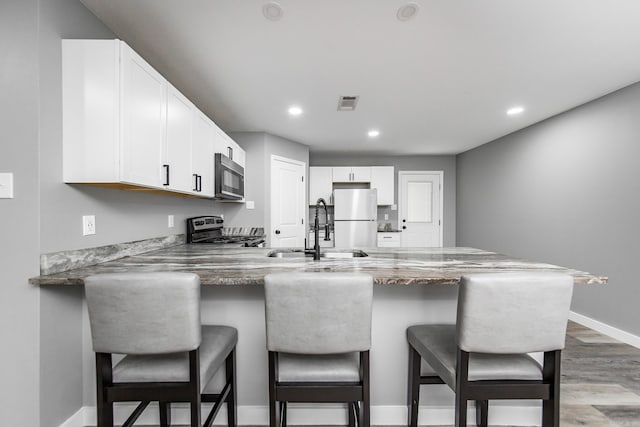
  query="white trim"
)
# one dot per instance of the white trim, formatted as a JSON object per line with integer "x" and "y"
{"x": 441, "y": 174}
{"x": 608, "y": 330}
{"x": 77, "y": 419}
{"x": 331, "y": 414}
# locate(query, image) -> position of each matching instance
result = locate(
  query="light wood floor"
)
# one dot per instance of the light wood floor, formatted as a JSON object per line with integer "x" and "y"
{"x": 600, "y": 384}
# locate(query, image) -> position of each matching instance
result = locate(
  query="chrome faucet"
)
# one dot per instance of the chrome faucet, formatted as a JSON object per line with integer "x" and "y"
{"x": 316, "y": 228}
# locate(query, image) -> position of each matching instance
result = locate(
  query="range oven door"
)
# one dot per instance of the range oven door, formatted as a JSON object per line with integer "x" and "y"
{"x": 229, "y": 178}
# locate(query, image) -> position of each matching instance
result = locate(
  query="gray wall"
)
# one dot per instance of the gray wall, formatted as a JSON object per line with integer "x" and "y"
{"x": 565, "y": 191}
{"x": 447, "y": 164}
{"x": 19, "y": 302}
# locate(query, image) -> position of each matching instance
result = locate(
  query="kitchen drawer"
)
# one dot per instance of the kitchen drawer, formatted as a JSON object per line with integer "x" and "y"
{"x": 388, "y": 240}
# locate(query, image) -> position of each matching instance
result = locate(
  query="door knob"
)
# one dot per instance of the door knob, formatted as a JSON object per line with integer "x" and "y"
{"x": 277, "y": 231}
{"x": 404, "y": 220}
{"x": 404, "y": 227}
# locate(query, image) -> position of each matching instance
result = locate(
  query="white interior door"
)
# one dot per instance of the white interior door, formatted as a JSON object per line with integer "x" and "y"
{"x": 420, "y": 215}
{"x": 287, "y": 202}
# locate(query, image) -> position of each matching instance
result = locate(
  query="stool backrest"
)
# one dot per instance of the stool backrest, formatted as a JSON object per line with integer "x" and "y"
{"x": 318, "y": 313}
{"x": 144, "y": 313}
{"x": 513, "y": 312}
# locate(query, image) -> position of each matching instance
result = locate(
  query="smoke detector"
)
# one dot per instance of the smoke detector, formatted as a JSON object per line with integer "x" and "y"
{"x": 407, "y": 11}
{"x": 347, "y": 103}
{"x": 272, "y": 11}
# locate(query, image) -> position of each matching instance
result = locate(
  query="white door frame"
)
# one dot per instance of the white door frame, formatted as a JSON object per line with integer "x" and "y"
{"x": 304, "y": 194}
{"x": 441, "y": 174}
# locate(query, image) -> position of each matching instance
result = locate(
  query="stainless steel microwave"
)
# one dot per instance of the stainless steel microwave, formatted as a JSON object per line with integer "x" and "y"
{"x": 229, "y": 178}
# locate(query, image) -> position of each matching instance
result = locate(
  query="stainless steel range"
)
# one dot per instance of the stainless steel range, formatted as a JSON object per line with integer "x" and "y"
{"x": 210, "y": 229}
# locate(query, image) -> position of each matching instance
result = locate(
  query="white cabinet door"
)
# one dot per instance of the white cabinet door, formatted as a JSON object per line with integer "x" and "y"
{"x": 382, "y": 179}
{"x": 142, "y": 119}
{"x": 352, "y": 174}
{"x": 342, "y": 174}
{"x": 178, "y": 147}
{"x": 361, "y": 174}
{"x": 202, "y": 158}
{"x": 320, "y": 184}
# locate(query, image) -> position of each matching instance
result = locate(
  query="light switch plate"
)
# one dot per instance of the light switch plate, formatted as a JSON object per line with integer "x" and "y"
{"x": 250, "y": 204}
{"x": 170, "y": 221}
{"x": 6, "y": 185}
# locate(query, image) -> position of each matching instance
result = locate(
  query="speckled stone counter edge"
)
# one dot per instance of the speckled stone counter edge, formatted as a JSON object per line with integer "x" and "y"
{"x": 57, "y": 262}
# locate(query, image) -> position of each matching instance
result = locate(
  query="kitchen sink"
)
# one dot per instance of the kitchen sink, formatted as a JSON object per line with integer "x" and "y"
{"x": 301, "y": 253}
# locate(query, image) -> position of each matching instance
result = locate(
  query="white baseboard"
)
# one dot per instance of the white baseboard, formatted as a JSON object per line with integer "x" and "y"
{"x": 321, "y": 415}
{"x": 603, "y": 328}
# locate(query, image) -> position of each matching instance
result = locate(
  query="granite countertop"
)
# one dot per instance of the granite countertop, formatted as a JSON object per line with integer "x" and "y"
{"x": 220, "y": 265}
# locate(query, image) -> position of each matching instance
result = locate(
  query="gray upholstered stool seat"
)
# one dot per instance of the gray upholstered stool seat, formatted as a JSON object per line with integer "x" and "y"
{"x": 436, "y": 344}
{"x": 319, "y": 368}
{"x": 217, "y": 342}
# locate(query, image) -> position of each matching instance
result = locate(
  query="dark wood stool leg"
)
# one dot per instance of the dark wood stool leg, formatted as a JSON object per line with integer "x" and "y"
{"x": 104, "y": 379}
{"x": 366, "y": 401}
{"x": 273, "y": 420}
{"x": 232, "y": 398}
{"x": 551, "y": 374}
{"x": 165, "y": 414}
{"x": 413, "y": 394}
{"x": 194, "y": 374}
{"x": 462, "y": 377}
{"x": 283, "y": 414}
{"x": 351, "y": 411}
{"x": 482, "y": 413}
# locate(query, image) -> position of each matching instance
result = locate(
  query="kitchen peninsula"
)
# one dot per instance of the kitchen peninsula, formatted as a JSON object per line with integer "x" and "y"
{"x": 413, "y": 286}
{"x": 219, "y": 265}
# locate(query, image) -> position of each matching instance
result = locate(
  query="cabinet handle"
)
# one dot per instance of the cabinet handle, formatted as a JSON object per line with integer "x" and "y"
{"x": 200, "y": 183}
{"x": 195, "y": 182}
{"x": 166, "y": 174}
{"x": 230, "y": 153}
{"x": 277, "y": 231}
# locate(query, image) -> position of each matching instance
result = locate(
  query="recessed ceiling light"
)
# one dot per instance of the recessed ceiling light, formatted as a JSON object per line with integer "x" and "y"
{"x": 515, "y": 110}
{"x": 373, "y": 133}
{"x": 295, "y": 111}
{"x": 272, "y": 11}
{"x": 407, "y": 11}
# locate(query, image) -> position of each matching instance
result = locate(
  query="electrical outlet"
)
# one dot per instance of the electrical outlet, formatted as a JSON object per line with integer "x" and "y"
{"x": 250, "y": 204}
{"x": 170, "y": 222}
{"x": 6, "y": 185}
{"x": 88, "y": 225}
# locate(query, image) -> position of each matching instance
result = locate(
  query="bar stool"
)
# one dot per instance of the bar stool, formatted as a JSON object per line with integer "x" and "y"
{"x": 154, "y": 319}
{"x": 318, "y": 337}
{"x": 501, "y": 317}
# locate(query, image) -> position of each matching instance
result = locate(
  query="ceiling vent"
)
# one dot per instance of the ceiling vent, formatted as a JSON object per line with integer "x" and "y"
{"x": 347, "y": 103}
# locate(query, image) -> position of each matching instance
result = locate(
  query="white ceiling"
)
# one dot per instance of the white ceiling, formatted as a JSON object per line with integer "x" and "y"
{"x": 439, "y": 83}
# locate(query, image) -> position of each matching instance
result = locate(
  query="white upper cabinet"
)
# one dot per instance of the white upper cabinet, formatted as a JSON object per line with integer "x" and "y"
{"x": 124, "y": 125}
{"x": 142, "y": 113}
{"x": 320, "y": 184}
{"x": 177, "y": 162}
{"x": 352, "y": 174}
{"x": 382, "y": 178}
{"x": 202, "y": 155}
{"x": 321, "y": 180}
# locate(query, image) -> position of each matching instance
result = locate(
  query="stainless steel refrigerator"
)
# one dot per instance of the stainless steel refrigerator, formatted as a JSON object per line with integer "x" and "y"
{"x": 355, "y": 215}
